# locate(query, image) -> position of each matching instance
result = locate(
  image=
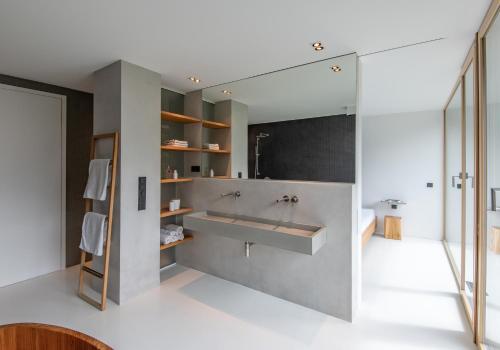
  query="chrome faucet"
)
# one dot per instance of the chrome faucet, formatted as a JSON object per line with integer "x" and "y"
{"x": 235, "y": 194}
{"x": 285, "y": 199}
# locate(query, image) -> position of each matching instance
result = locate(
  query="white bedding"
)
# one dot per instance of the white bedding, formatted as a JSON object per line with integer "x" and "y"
{"x": 367, "y": 216}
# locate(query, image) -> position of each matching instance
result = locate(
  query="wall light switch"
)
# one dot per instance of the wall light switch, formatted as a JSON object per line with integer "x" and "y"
{"x": 142, "y": 193}
{"x": 430, "y": 185}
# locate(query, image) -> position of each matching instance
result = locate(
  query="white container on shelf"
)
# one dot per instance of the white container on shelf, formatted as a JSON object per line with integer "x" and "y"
{"x": 177, "y": 204}
{"x": 171, "y": 205}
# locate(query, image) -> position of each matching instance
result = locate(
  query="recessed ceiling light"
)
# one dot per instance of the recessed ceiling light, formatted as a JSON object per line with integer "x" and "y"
{"x": 194, "y": 80}
{"x": 317, "y": 46}
{"x": 336, "y": 68}
{"x": 227, "y": 92}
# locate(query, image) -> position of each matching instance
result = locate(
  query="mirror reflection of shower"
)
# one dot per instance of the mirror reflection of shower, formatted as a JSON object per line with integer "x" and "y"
{"x": 257, "y": 154}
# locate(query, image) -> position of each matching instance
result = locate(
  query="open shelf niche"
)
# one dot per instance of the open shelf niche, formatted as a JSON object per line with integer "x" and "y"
{"x": 180, "y": 120}
{"x": 216, "y": 129}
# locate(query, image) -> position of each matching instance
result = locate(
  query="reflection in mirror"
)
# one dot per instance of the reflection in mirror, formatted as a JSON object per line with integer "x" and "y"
{"x": 293, "y": 124}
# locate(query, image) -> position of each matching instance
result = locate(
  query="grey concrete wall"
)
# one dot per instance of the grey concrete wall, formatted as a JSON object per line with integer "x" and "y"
{"x": 239, "y": 139}
{"x": 107, "y": 111}
{"x": 127, "y": 99}
{"x": 140, "y": 156}
{"x": 323, "y": 281}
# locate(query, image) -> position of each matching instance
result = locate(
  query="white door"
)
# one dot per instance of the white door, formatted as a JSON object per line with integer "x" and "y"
{"x": 31, "y": 183}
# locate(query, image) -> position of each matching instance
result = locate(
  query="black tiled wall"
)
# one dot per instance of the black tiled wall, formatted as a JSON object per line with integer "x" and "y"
{"x": 314, "y": 149}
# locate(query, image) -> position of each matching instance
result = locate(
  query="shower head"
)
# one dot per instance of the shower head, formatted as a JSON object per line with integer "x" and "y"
{"x": 262, "y": 135}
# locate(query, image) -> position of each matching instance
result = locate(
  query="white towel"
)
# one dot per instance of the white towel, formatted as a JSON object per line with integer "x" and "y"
{"x": 173, "y": 228}
{"x": 171, "y": 233}
{"x": 170, "y": 238}
{"x": 93, "y": 233}
{"x": 97, "y": 184}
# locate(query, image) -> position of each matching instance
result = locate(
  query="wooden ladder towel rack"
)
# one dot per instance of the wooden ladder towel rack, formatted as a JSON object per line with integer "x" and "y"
{"x": 107, "y": 244}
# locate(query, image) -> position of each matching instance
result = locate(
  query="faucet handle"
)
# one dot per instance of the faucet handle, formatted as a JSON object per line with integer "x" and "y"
{"x": 237, "y": 194}
{"x": 285, "y": 198}
{"x": 295, "y": 199}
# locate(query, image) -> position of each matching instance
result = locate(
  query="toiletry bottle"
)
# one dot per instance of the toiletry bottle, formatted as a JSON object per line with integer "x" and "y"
{"x": 169, "y": 172}
{"x": 211, "y": 172}
{"x": 176, "y": 174}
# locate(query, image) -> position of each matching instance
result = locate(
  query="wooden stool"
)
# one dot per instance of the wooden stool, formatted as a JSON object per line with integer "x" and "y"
{"x": 495, "y": 240}
{"x": 392, "y": 227}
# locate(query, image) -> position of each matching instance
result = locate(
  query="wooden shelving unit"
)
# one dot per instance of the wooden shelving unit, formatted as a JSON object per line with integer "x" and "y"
{"x": 165, "y": 213}
{"x": 179, "y": 118}
{"x": 171, "y": 181}
{"x": 215, "y": 125}
{"x": 187, "y": 238}
{"x": 221, "y": 151}
{"x": 180, "y": 149}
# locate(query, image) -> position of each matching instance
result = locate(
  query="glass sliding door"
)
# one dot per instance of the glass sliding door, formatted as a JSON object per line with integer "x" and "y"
{"x": 453, "y": 181}
{"x": 468, "y": 185}
{"x": 491, "y": 248}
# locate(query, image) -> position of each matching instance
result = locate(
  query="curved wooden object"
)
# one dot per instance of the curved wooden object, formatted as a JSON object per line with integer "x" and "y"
{"x": 36, "y": 336}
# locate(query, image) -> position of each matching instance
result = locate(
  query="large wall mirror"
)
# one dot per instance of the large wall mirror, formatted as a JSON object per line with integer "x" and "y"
{"x": 293, "y": 124}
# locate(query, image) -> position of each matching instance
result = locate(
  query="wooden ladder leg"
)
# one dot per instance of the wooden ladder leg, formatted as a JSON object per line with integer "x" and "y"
{"x": 83, "y": 256}
{"x": 114, "y": 163}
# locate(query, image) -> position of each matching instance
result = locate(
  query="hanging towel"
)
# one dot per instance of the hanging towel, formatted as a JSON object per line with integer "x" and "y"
{"x": 93, "y": 230}
{"x": 98, "y": 179}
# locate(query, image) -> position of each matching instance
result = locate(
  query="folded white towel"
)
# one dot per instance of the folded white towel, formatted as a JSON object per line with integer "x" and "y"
{"x": 173, "y": 228}
{"x": 167, "y": 237}
{"x": 97, "y": 184}
{"x": 93, "y": 233}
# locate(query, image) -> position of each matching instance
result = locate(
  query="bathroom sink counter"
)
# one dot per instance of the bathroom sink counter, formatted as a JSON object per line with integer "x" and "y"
{"x": 299, "y": 238}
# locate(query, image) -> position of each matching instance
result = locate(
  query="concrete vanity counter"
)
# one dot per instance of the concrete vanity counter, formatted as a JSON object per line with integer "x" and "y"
{"x": 306, "y": 239}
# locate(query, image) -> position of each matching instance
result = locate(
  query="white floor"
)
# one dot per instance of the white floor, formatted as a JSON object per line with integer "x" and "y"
{"x": 409, "y": 302}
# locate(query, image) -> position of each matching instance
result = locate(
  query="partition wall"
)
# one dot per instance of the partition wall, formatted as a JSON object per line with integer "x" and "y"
{"x": 472, "y": 182}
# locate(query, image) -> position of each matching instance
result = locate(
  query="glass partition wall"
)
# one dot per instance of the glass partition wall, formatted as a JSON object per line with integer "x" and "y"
{"x": 472, "y": 182}
{"x": 453, "y": 183}
{"x": 459, "y": 183}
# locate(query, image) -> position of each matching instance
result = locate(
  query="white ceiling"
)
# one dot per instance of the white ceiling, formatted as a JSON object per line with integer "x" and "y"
{"x": 308, "y": 91}
{"x": 62, "y": 42}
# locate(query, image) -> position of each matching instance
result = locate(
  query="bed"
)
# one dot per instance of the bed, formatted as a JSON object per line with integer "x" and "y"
{"x": 368, "y": 225}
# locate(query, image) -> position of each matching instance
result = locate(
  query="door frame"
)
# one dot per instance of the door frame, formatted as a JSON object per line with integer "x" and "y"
{"x": 62, "y": 98}
{"x": 492, "y": 14}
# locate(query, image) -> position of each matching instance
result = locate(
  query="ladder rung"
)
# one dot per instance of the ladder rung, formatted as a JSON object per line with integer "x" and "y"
{"x": 92, "y": 271}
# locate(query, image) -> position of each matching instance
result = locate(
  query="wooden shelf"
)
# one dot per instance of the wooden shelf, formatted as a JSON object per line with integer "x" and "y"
{"x": 173, "y": 244}
{"x": 215, "y": 125}
{"x": 180, "y": 149}
{"x": 178, "y": 118}
{"x": 171, "y": 181}
{"x": 217, "y": 177}
{"x": 166, "y": 213}
{"x": 222, "y": 151}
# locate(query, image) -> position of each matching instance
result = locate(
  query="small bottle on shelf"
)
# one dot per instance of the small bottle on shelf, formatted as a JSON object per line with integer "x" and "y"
{"x": 168, "y": 172}
{"x": 175, "y": 174}
{"x": 211, "y": 172}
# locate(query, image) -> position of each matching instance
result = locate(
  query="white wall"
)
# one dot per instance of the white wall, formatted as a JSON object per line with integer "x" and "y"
{"x": 401, "y": 153}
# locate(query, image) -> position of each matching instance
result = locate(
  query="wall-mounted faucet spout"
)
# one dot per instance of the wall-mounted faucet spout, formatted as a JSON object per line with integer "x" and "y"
{"x": 235, "y": 194}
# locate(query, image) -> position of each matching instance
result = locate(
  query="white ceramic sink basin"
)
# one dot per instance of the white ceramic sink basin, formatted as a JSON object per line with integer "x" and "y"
{"x": 306, "y": 239}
